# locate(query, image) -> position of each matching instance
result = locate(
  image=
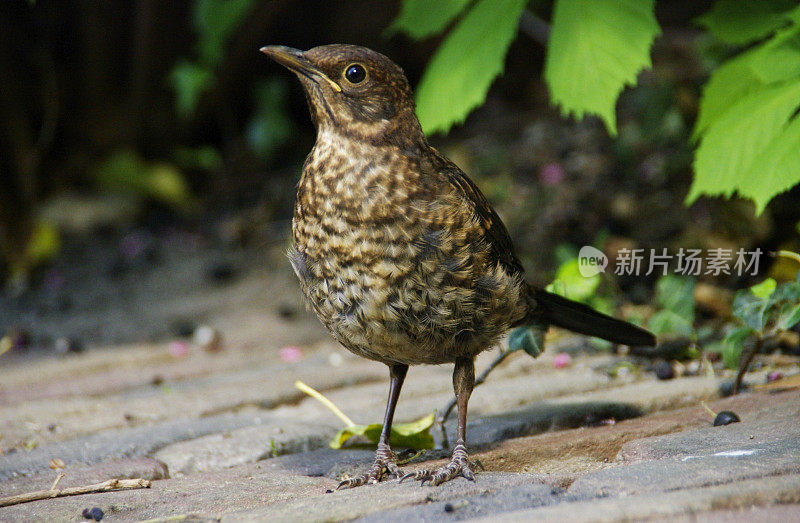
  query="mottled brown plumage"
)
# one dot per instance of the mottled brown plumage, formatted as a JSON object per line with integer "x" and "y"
{"x": 397, "y": 251}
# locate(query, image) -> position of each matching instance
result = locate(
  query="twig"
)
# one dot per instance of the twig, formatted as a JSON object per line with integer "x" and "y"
{"x": 111, "y": 484}
{"x": 708, "y": 409}
{"x": 58, "y": 478}
{"x": 325, "y": 401}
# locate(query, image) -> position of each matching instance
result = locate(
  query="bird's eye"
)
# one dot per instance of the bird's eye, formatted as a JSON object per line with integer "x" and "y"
{"x": 355, "y": 73}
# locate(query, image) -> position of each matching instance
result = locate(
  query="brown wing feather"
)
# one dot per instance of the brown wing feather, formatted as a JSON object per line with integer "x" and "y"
{"x": 497, "y": 234}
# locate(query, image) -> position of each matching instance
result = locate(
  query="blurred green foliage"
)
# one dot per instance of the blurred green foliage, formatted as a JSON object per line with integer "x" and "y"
{"x": 124, "y": 170}
{"x": 748, "y": 131}
{"x": 763, "y": 311}
{"x": 676, "y": 307}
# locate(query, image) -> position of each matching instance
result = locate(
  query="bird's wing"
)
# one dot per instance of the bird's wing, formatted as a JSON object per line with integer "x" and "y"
{"x": 496, "y": 233}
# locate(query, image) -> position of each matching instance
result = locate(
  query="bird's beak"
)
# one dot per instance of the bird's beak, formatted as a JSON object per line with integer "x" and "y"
{"x": 294, "y": 60}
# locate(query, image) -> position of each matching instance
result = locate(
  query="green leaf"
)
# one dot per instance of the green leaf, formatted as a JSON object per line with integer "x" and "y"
{"x": 750, "y": 148}
{"x": 415, "y": 434}
{"x": 776, "y": 168}
{"x": 676, "y": 294}
{"x": 764, "y": 289}
{"x": 668, "y": 322}
{"x": 734, "y": 343}
{"x": 270, "y": 126}
{"x": 788, "y": 317}
{"x": 728, "y": 84}
{"x": 465, "y": 64}
{"x": 215, "y": 21}
{"x": 570, "y": 283}
{"x": 528, "y": 338}
{"x": 778, "y": 58}
{"x": 189, "y": 81}
{"x": 739, "y": 22}
{"x": 126, "y": 171}
{"x": 750, "y": 309}
{"x": 422, "y": 18}
{"x": 596, "y": 48}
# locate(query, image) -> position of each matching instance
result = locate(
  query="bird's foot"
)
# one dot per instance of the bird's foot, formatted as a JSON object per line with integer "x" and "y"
{"x": 384, "y": 463}
{"x": 459, "y": 466}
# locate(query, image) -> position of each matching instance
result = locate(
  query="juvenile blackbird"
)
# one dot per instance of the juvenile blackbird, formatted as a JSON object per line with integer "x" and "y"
{"x": 397, "y": 251}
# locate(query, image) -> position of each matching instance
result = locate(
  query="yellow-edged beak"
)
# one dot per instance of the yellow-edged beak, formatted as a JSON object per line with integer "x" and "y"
{"x": 294, "y": 60}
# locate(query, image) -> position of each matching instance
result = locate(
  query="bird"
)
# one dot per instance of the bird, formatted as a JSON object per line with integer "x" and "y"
{"x": 398, "y": 252}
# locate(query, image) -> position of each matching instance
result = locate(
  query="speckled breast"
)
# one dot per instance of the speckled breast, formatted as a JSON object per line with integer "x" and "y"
{"x": 386, "y": 264}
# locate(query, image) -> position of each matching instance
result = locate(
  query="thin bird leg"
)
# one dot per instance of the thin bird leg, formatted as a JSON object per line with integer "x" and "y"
{"x": 384, "y": 457}
{"x": 463, "y": 383}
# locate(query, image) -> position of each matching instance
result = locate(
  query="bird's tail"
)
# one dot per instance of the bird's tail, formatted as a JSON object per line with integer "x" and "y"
{"x": 580, "y": 318}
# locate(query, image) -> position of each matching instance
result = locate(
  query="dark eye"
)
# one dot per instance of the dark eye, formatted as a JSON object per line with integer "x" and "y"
{"x": 355, "y": 73}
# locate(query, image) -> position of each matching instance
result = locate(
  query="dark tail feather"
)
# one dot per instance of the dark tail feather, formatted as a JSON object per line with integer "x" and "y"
{"x": 582, "y": 319}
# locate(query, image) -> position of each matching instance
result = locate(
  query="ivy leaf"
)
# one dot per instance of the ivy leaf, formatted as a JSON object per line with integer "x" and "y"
{"x": 739, "y": 22}
{"x": 528, "y": 338}
{"x": 788, "y": 317}
{"x": 734, "y": 343}
{"x": 596, "y": 48}
{"x": 676, "y": 294}
{"x": 750, "y": 309}
{"x": 465, "y": 64}
{"x": 750, "y": 139}
{"x": 415, "y": 434}
{"x": 764, "y": 289}
{"x": 668, "y": 322}
{"x": 422, "y": 18}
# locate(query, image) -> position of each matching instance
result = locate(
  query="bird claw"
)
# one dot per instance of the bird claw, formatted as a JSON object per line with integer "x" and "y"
{"x": 459, "y": 465}
{"x": 384, "y": 463}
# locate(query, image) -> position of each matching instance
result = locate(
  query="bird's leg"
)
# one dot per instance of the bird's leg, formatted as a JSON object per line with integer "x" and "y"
{"x": 384, "y": 457}
{"x": 463, "y": 383}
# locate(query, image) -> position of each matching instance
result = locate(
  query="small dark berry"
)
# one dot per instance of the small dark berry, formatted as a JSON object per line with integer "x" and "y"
{"x": 664, "y": 370}
{"x": 726, "y": 417}
{"x": 97, "y": 514}
{"x": 87, "y": 513}
{"x": 448, "y": 507}
{"x": 328, "y": 491}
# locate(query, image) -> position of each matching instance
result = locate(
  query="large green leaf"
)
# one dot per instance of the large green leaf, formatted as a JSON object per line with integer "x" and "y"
{"x": 739, "y": 22}
{"x": 778, "y": 58}
{"x": 422, "y": 18}
{"x": 728, "y": 84}
{"x": 465, "y": 64}
{"x": 596, "y": 48}
{"x": 750, "y": 148}
{"x": 776, "y": 169}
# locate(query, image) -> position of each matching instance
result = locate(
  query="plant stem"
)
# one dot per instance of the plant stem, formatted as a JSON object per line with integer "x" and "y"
{"x": 325, "y": 401}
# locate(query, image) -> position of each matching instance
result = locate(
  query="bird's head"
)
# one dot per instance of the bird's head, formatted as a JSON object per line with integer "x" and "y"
{"x": 353, "y": 90}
